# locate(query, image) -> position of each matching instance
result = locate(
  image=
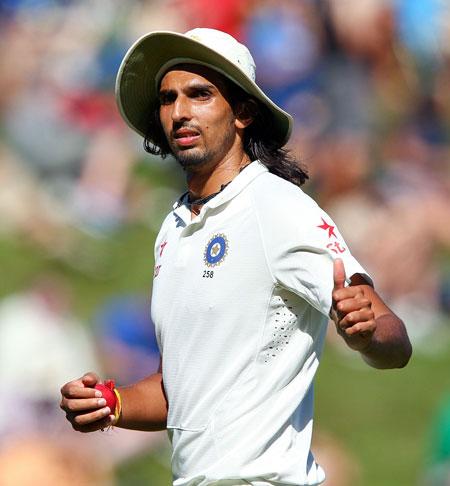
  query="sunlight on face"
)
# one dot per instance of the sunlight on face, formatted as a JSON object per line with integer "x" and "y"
{"x": 196, "y": 115}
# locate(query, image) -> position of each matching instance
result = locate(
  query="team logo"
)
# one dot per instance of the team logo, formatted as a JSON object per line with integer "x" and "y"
{"x": 327, "y": 227}
{"x": 216, "y": 250}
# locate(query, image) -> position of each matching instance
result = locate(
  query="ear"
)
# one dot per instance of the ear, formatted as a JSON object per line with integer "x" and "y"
{"x": 245, "y": 112}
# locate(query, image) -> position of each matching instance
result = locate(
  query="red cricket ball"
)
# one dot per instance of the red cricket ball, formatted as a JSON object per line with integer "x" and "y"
{"x": 108, "y": 394}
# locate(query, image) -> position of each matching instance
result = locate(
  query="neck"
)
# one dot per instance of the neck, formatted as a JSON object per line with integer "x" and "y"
{"x": 209, "y": 180}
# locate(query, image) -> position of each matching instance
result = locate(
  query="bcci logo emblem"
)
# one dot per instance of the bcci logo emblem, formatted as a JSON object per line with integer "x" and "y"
{"x": 216, "y": 250}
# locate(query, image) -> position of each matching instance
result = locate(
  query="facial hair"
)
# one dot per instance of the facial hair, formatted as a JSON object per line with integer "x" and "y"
{"x": 192, "y": 158}
{"x": 197, "y": 157}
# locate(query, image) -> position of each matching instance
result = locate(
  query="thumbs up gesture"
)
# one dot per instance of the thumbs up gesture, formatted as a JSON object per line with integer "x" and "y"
{"x": 351, "y": 311}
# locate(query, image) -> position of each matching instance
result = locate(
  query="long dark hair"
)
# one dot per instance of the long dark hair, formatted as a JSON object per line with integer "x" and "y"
{"x": 258, "y": 138}
{"x": 260, "y": 144}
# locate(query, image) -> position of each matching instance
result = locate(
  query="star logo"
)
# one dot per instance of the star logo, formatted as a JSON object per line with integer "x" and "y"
{"x": 215, "y": 250}
{"x": 327, "y": 227}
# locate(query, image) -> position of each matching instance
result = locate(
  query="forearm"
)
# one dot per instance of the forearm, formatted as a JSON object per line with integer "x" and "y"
{"x": 368, "y": 325}
{"x": 390, "y": 346}
{"x": 144, "y": 405}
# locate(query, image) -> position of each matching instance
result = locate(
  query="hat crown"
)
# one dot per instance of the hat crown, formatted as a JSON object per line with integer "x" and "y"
{"x": 152, "y": 55}
{"x": 227, "y": 46}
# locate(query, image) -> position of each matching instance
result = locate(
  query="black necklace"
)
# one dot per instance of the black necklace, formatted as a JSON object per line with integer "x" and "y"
{"x": 203, "y": 200}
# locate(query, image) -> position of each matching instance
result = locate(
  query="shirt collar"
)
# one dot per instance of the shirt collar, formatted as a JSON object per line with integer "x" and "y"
{"x": 239, "y": 183}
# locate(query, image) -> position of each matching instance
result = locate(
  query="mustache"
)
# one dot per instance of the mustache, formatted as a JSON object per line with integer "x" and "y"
{"x": 185, "y": 126}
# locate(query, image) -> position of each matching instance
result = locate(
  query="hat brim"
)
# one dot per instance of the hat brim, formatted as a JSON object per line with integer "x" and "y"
{"x": 136, "y": 84}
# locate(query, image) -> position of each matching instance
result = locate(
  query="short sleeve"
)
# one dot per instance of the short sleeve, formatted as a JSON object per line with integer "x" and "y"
{"x": 301, "y": 251}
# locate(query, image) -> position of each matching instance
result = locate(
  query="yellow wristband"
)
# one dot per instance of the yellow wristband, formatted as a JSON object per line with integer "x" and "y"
{"x": 118, "y": 409}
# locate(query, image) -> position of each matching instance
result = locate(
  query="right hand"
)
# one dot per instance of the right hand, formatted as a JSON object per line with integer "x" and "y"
{"x": 84, "y": 406}
{"x": 352, "y": 311}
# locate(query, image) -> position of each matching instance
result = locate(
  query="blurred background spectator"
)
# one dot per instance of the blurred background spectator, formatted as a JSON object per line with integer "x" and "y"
{"x": 41, "y": 343}
{"x": 126, "y": 337}
{"x": 368, "y": 84}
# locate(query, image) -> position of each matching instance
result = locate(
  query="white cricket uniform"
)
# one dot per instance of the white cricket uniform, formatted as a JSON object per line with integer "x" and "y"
{"x": 241, "y": 298}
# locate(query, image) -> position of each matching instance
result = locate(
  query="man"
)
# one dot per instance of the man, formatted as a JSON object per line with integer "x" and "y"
{"x": 245, "y": 276}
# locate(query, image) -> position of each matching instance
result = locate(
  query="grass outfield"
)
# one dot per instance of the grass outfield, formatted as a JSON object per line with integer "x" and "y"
{"x": 381, "y": 417}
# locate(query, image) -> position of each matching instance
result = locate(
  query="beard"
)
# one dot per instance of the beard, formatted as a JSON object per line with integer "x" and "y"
{"x": 192, "y": 158}
{"x": 197, "y": 157}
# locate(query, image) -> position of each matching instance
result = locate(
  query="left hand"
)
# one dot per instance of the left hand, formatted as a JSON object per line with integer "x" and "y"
{"x": 351, "y": 311}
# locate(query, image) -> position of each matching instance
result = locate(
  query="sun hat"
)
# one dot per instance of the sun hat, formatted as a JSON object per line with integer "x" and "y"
{"x": 149, "y": 58}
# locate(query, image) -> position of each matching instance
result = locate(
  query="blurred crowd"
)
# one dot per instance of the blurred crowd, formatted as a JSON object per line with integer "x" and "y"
{"x": 367, "y": 82}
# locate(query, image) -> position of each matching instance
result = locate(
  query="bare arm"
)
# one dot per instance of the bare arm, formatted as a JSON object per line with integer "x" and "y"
{"x": 144, "y": 404}
{"x": 367, "y": 324}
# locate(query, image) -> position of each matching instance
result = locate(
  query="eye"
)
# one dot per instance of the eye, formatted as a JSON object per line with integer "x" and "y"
{"x": 166, "y": 98}
{"x": 201, "y": 94}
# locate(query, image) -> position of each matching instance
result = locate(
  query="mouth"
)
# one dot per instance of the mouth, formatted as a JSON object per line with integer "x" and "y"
{"x": 185, "y": 137}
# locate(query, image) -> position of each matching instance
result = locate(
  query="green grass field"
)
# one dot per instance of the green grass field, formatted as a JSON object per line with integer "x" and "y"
{"x": 383, "y": 417}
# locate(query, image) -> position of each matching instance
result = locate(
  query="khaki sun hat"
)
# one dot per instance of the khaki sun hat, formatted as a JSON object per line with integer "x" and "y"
{"x": 153, "y": 54}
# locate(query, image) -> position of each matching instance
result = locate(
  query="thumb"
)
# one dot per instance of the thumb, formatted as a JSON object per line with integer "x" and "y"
{"x": 338, "y": 274}
{"x": 90, "y": 379}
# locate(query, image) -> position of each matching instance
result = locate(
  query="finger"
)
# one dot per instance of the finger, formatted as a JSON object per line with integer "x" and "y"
{"x": 88, "y": 418}
{"x": 75, "y": 391}
{"x": 79, "y": 405}
{"x": 356, "y": 317}
{"x": 353, "y": 304}
{"x": 98, "y": 425}
{"x": 347, "y": 293}
{"x": 362, "y": 328}
{"x": 90, "y": 379}
{"x": 338, "y": 274}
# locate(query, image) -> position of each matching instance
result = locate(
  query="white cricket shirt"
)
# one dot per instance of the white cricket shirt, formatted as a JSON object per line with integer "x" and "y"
{"x": 241, "y": 297}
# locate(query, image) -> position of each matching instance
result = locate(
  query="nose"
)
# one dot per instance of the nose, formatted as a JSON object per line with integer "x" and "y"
{"x": 181, "y": 109}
